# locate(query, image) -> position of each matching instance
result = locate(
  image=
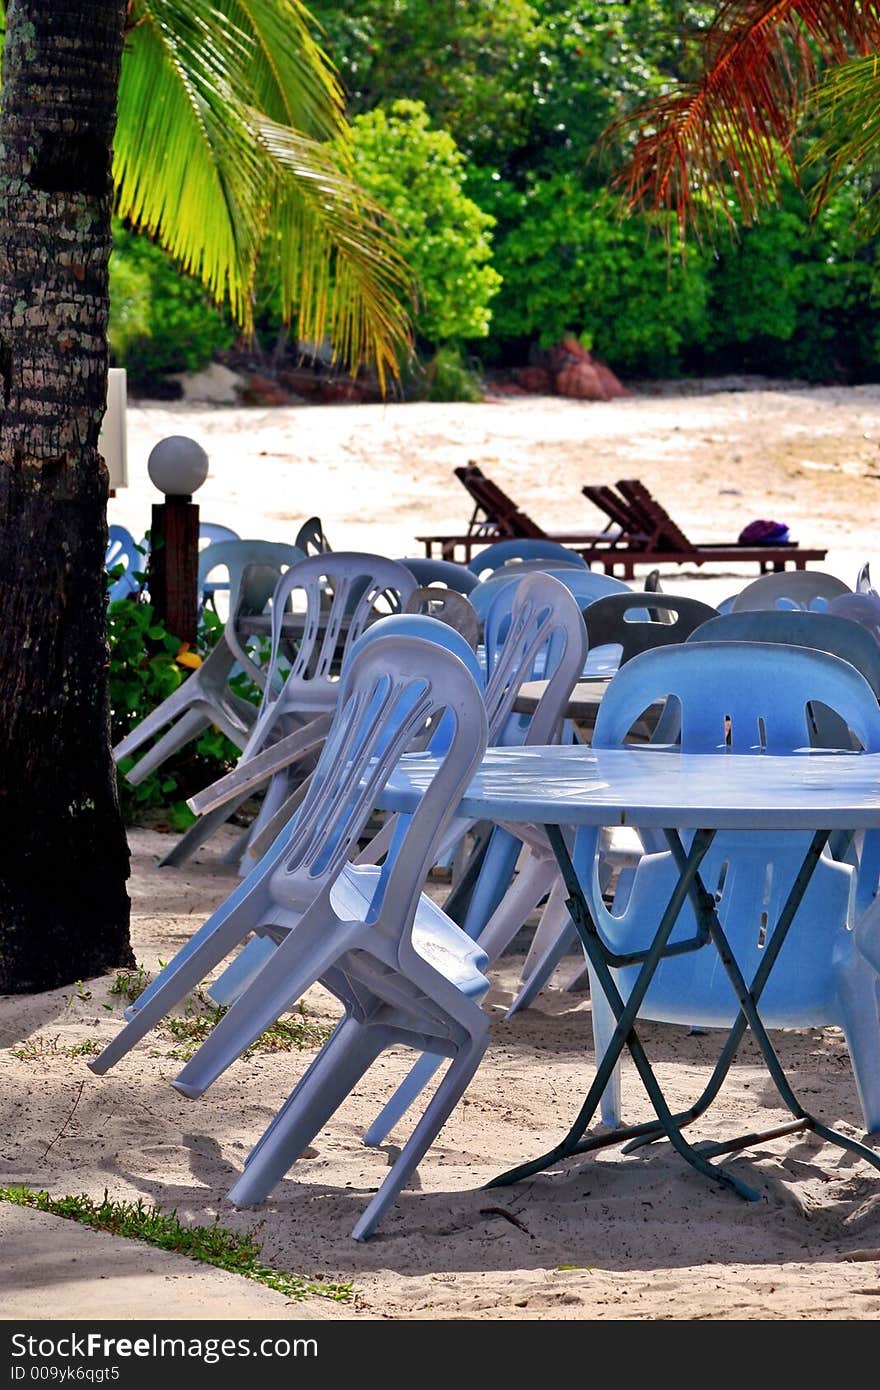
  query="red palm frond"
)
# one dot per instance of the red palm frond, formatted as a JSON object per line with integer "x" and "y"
{"x": 730, "y": 127}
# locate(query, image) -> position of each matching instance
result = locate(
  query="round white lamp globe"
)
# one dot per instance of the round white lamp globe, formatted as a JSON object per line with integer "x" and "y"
{"x": 177, "y": 465}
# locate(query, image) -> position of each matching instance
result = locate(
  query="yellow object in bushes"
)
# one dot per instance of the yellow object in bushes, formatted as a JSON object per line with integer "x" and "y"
{"x": 187, "y": 658}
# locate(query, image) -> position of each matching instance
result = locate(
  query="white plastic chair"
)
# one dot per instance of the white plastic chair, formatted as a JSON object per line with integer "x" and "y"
{"x": 541, "y": 622}
{"x": 205, "y": 697}
{"x": 210, "y": 532}
{"x": 403, "y": 971}
{"x": 336, "y": 595}
{"x": 744, "y": 697}
{"x": 810, "y": 589}
{"x": 449, "y": 606}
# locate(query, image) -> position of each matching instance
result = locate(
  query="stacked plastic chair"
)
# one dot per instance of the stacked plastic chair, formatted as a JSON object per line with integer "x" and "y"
{"x": 403, "y": 971}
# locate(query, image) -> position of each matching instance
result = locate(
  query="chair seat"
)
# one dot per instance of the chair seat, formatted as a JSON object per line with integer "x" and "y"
{"x": 436, "y": 938}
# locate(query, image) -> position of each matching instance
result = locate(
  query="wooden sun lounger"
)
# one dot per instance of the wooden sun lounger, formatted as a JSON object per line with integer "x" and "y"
{"x": 639, "y": 532}
{"x": 650, "y": 535}
{"x": 496, "y": 517}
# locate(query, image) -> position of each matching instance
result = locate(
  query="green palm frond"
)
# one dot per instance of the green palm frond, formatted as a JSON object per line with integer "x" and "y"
{"x": 201, "y": 163}
{"x": 728, "y": 129}
{"x": 292, "y": 81}
{"x": 848, "y": 105}
{"x": 336, "y": 262}
{"x": 185, "y": 167}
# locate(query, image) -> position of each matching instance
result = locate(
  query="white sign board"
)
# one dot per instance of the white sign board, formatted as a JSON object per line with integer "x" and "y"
{"x": 112, "y": 439}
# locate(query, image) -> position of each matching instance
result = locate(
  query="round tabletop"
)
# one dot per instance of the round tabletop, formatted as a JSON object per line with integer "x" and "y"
{"x": 572, "y": 784}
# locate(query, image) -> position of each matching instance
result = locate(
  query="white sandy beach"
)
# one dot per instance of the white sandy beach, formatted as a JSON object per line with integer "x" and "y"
{"x": 604, "y": 1237}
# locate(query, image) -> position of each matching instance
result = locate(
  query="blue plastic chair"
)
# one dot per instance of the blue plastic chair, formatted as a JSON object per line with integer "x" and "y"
{"x": 445, "y": 572}
{"x": 585, "y": 584}
{"x": 807, "y": 589}
{"x": 403, "y": 971}
{"x": 738, "y": 697}
{"x": 521, "y": 549}
{"x": 123, "y": 549}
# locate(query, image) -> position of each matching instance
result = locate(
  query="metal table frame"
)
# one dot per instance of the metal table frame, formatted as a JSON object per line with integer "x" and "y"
{"x": 709, "y": 934}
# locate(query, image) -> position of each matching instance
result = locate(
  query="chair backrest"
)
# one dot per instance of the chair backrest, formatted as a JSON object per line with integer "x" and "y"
{"x": 807, "y": 589}
{"x": 734, "y": 698}
{"x": 862, "y": 608}
{"x": 793, "y": 628}
{"x": 653, "y": 519}
{"x": 500, "y": 514}
{"x": 391, "y": 687}
{"x": 739, "y": 697}
{"x": 310, "y": 537}
{"x": 624, "y": 620}
{"x": 449, "y": 607}
{"x": 533, "y": 628}
{"x": 864, "y": 584}
{"x": 334, "y": 596}
{"x": 585, "y": 584}
{"x": 123, "y": 549}
{"x": 445, "y": 572}
{"x": 234, "y": 556}
{"x": 211, "y": 531}
{"x": 430, "y": 629}
{"x": 225, "y": 562}
{"x": 527, "y": 548}
{"x": 827, "y": 632}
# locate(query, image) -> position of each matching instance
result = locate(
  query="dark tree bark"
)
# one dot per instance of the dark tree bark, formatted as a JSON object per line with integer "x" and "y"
{"x": 64, "y": 861}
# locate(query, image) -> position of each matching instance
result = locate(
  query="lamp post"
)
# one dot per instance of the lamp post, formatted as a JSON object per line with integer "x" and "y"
{"x": 177, "y": 467}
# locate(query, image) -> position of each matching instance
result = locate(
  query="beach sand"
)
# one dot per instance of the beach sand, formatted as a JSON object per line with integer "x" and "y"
{"x": 608, "y": 1236}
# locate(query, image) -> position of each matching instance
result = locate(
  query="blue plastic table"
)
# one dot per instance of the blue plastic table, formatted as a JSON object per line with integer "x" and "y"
{"x": 569, "y": 786}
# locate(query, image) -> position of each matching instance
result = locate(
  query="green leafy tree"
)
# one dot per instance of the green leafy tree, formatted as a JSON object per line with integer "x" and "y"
{"x": 570, "y": 265}
{"x": 472, "y": 62}
{"x": 416, "y": 174}
{"x": 161, "y": 321}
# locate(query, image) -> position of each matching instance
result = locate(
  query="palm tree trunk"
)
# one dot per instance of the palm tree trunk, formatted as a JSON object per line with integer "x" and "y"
{"x": 64, "y": 860}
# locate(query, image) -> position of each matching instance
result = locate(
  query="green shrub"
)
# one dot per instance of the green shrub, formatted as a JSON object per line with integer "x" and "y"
{"x": 569, "y": 265}
{"x": 417, "y": 175}
{"x": 161, "y": 320}
{"x": 811, "y": 309}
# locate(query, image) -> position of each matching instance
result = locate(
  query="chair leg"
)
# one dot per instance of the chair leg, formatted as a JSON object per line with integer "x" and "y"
{"x": 297, "y": 963}
{"x": 858, "y": 990}
{"x": 224, "y": 929}
{"x": 604, "y": 1024}
{"x": 565, "y": 938}
{"x": 528, "y": 888}
{"x": 181, "y": 700}
{"x": 332, "y": 1076}
{"x": 455, "y": 1082}
{"x": 188, "y": 727}
{"x": 202, "y": 830}
{"x": 409, "y": 1089}
{"x": 237, "y": 976}
{"x": 554, "y": 920}
{"x": 493, "y": 882}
